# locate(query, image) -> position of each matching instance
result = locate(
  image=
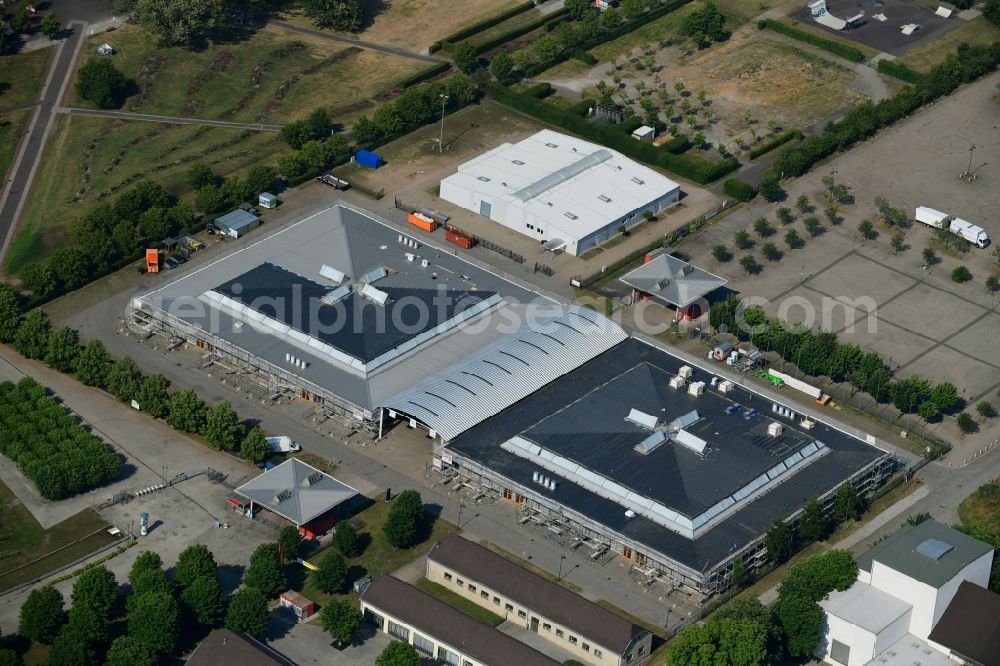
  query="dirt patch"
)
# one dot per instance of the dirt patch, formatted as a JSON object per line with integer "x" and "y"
{"x": 147, "y": 72}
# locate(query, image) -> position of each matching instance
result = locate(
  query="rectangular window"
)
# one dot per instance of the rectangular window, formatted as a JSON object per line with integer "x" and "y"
{"x": 597, "y": 653}
{"x": 559, "y": 633}
{"x": 496, "y": 600}
{"x": 423, "y": 645}
{"x": 374, "y": 618}
{"x": 399, "y": 632}
{"x": 461, "y": 583}
{"x": 522, "y": 614}
{"x": 484, "y": 594}
{"x": 508, "y": 607}
{"x": 840, "y": 652}
{"x": 546, "y": 626}
{"x": 586, "y": 647}
{"x": 447, "y": 657}
{"x": 447, "y": 576}
{"x": 642, "y": 648}
{"x": 472, "y": 588}
{"x": 466, "y": 662}
{"x": 572, "y": 640}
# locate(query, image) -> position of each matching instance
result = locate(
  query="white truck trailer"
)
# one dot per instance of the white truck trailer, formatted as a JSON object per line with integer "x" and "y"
{"x": 970, "y": 232}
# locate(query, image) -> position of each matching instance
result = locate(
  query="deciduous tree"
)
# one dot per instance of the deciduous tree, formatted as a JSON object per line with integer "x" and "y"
{"x": 204, "y": 600}
{"x": 32, "y": 337}
{"x": 848, "y": 504}
{"x": 289, "y": 542}
{"x": 180, "y": 22}
{"x": 154, "y": 619}
{"x": 254, "y": 446}
{"x": 332, "y": 573}
{"x": 63, "y": 349}
{"x": 93, "y": 364}
{"x": 124, "y": 379}
{"x": 129, "y": 651}
{"x": 223, "y": 428}
{"x": 152, "y": 395}
{"x": 778, "y": 541}
{"x": 11, "y": 310}
{"x": 248, "y": 612}
{"x": 341, "y": 619}
{"x": 42, "y": 615}
{"x": 194, "y": 562}
{"x": 465, "y": 57}
{"x": 265, "y": 573}
{"x": 401, "y": 525}
{"x": 100, "y": 82}
{"x": 186, "y": 411}
{"x": 398, "y": 653}
{"x": 345, "y": 15}
{"x": 95, "y": 589}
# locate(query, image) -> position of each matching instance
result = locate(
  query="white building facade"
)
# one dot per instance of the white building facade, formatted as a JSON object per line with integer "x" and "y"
{"x": 559, "y": 190}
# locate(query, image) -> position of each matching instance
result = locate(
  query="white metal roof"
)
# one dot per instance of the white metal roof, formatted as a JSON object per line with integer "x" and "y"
{"x": 865, "y": 606}
{"x": 576, "y": 186}
{"x": 511, "y": 368}
{"x": 297, "y": 491}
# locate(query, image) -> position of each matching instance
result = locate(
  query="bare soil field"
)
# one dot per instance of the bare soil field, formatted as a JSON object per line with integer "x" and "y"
{"x": 416, "y": 24}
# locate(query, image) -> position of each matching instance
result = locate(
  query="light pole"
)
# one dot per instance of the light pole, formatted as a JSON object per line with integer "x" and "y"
{"x": 972, "y": 151}
{"x": 444, "y": 100}
{"x": 461, "y": 505}
{"x": 561, "y": 558}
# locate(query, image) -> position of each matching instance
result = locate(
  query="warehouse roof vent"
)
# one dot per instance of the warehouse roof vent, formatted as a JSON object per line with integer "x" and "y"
{"x": 332, "y": 274}
{"x": 642, "y": 419}
{"x": 570, "y": 215}
{"x": 604, "y": 197}
{"x": 638, "y": 181}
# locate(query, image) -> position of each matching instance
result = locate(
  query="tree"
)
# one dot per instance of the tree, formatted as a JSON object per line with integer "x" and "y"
{"x": 93, "y": 364}
{"x": 201, "y": 175}
{"x": 966, "y": 423}
{"x": 154, "y": 619}
{"x": 194, "y": 562}
{"x": 42, "y": 615}
{"x": 95, "y": 589}
{"x": 296, "y": 134}
{"x": 332, "y": 573}
{"x": 129, "y": 651}
{"x": 961, "y": 274}
{"x": 704, "y": 25}
{"x": 204, "y": 600}
{"x": 502, "y": 67}
{"x": 223, "y": 428}
{"x": 792, "y": 239}
{"x": 762, "y": 227}
{"x": 814, "y": 524}
{"x": 465, "y": 57}
{"x": 39, "y": 280}
{"x": 289, "y": 542}
{"x": 146, "y": 582}
{"x": 401, "y": 524}
{"x": 867, "y": 230}
{"x": 70, "y": 268}
{"x": 21, "y": 20}
{"x": 778, "y": 541}
{"x": 265, "y": 573}
{"x": 740, "y": 576}
{"x": 397, "y": 653}
{"x": 722, "y": 640}
{"x": 749, "y": 264}
{"x": 986, "y": 410}
{"x": 771, "y": 190}
{"x": 124, "y": 379}
{"x": 807, "y": 583}
{"x": 771, "y": 252}
{"x": 50, "y": 25}
{"x": 32, "y": 337}
{"x": 848, "y": 504}
{"x": 186, "y": 411}
{"x": 248, "y": 612}
{"x": 346, "y": 15}
{"x": 803, "y": 204}
{"x": 152, "y": 395}
{"x": 100, "y": 82}
{"x": 991, "y": 10}
{"x": 341, "y": 619}
{"x": 235, "y": 190}
{"x": 63, "y": 349}
{"x": 721, "y": 253}
{"x": 928, "y": 410}
{"x": 11, "y": 310}
{"x": 261, "y": 177}
{"x": 546, "y": 47}
{"x": 992, "y": 284}
{"x": 254, "y": 446}
{"x": 990, "y": 537}
{"x": 898, "y": 242}
{"x": 929, "y": 256}
{"x": 785, "y": 215}
{"x": 155, "y": 224}
{"x": 742, "y": 240}
{"x": 813, "y": 226}
{"x": 147, "y": 560}
{"x": 944, "y": 396}
{"x": 210, "y": 199}
{"x": 346, "y": 540}
{"x": 71, "y": 649}
{"x": 180, "y": 22}
{"x": 802, "y": 621}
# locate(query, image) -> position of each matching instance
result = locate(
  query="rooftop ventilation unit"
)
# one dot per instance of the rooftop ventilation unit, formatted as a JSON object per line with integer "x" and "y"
{"x": 605, "y": 198}
{"x": 552, "y": 145}
{"x": 373, "y": 294}
{"x": 685, "y": 371}
{"x": 642, "y": 419}
{"x": 774, "y": 429}
{"x": 312, "y": 479}
{"x": 696, "y": 388}
{"x": 483, "y": 178}
{"x": 934, "y": 548}
{"x": 662, "y": 282}
{"x": 630, "y": 513}
{"x": 726, "y": 386}
{"x": 638, "y": 181}
{"x": 517, "y": 162}
{"x": 677, "y": 382}
{"x": 570, "y": 215}
{"x": 332, "y": 274}
{"x": 281, "y": 497}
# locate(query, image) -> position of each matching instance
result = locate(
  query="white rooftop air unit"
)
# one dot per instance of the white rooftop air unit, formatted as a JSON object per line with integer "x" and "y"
{"x": 807, "y": 424}
{"x": 726, "y": 386}
{"x": 552, "y": 484}
{"x": 685, "y": 371}
{"x": 774, "y": 429}
{"x": 332, "y": 274}
{"x": 424, "y": 263}
{"x": 696, "y": 388}
{"x": 630, "y": 513}
{"x": 677, "y": 382}
{"x": 409, "y": 256}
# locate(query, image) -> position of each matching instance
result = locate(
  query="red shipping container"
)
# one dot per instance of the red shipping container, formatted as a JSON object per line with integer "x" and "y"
{"x": 462, "y": 240}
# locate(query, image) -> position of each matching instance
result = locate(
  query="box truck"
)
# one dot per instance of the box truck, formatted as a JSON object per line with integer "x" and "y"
{"x": 282, "y": 444}
{"x": 970, "y": 232}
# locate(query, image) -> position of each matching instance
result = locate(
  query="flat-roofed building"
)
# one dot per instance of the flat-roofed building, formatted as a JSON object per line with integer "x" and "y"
{"x": 439, "y": 631}
{"x": 591, "y": 633}
{"x": 562, "y": 191}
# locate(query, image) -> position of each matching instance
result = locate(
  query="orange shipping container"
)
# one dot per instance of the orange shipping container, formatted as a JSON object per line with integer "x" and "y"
{"x": 460, "y": 239}
{"x": 422, "y": 221}
{"x": 152, "y": 261}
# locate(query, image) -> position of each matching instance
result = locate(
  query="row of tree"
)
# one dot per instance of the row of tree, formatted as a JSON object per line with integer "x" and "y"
{"x": 746, "y": 633}
{"x": 822, "y": 354}
{"x": 214, "y": 194}
{"x": 49, "y": 446}
{"x": 19, "y": 21}
{"x": 815, "y": 524}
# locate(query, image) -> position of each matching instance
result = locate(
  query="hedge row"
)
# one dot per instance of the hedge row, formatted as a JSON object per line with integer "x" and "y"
{"x": 677, "y": 145}
{"x": 514, "y": 33}
{"x": 844, "y": 51}
{"x": 583, "y": 56}
{"x": 779, "y": 140}
{"x": 539, "y": 90}
{"x": 425, "y": 75}
{"x": 900, "y": 71}
{"x": 687, "y": 166}
{"x": 737, "y": 189}
{"x": 864, "y": 120}
{"x": 606, "y": 36}
{"x": 479, "y": 26}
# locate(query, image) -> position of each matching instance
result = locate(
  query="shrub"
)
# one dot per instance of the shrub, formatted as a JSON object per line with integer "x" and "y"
{"x": 738, "y": 190}
{"x": 961, "y": 274}
{"x": 900, "y": 71}
{"x": 966, "y": 423}
{"x": 779, "y": 140}
{"x": 489, "y": 22}
{"x": 836, "y": 48}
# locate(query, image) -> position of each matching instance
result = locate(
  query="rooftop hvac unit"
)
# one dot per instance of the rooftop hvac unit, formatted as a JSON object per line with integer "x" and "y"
{"x": 808, "y": 424}
{"x": 696, "y": 388}
{"x": 685, "y": 371}
{"x": 424, "y": 263}
{"x": 552, "y": 484}
{"x": 630, "y": 513}
{"x": 535, "y": 476}
{"x": 677, "y": 382}
{"x": 774, "y": 429}
{"x": 726, "y": 386}
{"x": 410, "y": 256}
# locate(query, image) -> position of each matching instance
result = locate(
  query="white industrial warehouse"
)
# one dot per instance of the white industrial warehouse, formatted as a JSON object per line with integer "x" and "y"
{"x": 565, "y": 192}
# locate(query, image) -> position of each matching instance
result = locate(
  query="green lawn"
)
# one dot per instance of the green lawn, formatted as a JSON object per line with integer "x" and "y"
{"x": 514, "y": 22}
{"x": 982, "y": 507}
{"x": 457, "y": 601}
{"x": 379, "y": 556}
{"x": 23, "y": 540}
{"x": 978, "y": 31}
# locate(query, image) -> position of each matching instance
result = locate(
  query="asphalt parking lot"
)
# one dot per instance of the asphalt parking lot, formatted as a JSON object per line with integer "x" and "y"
{"x": 884, "y": 35}
{"x": 917, "y": 318}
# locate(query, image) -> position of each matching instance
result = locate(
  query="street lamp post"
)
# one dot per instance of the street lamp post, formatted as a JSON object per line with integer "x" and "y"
{"x": 444, "y": 99}
{"x": 972, "y": 151}
{"x": 561, "y": 558}
{"x": 461, "y": 505}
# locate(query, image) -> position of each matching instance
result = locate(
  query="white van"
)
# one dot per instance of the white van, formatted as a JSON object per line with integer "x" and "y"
{"x": 283, "y": 444}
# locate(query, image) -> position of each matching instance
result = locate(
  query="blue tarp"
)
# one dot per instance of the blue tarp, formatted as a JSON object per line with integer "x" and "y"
{"x": 368, "y": 159}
